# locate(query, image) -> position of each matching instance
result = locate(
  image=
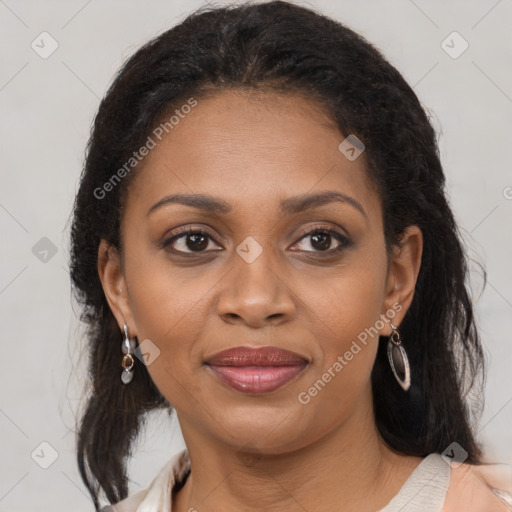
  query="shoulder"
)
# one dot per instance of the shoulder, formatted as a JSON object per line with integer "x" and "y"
{"x": 129, "y": 504}
{"x": 474, "y": 488}
{"x": 159, "y": 491}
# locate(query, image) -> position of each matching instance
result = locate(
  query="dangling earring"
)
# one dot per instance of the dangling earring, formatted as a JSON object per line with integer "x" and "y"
{"x": 398, "y": 359}
{"x": 127, "y": 347}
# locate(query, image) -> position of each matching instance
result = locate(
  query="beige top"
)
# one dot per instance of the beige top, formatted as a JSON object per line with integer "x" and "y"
{"x": 433, "y": 486}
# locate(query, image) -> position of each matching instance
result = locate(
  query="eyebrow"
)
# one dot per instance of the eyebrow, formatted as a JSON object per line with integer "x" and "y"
{"x": 288, "y": 206}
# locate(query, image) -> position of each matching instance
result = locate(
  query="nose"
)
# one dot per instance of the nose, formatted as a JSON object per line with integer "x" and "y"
{"x": 255, "y": 294}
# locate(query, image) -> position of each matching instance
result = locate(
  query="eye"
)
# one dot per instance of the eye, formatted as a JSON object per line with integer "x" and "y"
{"x": 189, "y": 240}
{"x": 321, "y": 240}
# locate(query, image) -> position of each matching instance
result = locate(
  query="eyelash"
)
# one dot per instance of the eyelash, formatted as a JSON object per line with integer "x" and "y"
{"x": 343, "y": 241}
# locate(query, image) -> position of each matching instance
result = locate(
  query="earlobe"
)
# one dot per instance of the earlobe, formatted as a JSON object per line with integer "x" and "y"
{"x": 113, "y": 282}
{"x": 403, "y": 273}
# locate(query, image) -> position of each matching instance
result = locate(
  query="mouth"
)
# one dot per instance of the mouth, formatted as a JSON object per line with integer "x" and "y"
{"x": 256, "y": 370}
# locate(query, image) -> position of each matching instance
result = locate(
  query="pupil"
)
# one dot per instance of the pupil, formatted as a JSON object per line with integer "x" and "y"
{"x": 324, "y": 240}
{"x": 196, "y": 246}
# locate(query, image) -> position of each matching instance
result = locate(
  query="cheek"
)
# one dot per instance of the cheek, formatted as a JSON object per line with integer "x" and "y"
{"x": 341, "y": 375}
{"x": 350, "y": 299}
{"x": 167, "y": 310}
{"x": 347, "y": 319}
{"x": 162, "y": 298}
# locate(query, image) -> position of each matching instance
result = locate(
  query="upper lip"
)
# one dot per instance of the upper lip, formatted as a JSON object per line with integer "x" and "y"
{"x": 261, "y": 356}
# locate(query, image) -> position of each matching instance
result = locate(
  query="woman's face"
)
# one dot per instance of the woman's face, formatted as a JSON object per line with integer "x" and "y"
{"x": 258, "y": 275}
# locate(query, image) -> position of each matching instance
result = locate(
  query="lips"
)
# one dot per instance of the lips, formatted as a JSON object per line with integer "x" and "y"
{"x": 256, "y": 370}
{"x": 264, "y": 356}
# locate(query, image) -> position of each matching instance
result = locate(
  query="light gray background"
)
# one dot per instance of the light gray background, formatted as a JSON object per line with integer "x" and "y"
{"x": 47, "y": 107}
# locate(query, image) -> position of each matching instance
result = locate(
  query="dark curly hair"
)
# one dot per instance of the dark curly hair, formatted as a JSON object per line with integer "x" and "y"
{"x": 282, "y": 47}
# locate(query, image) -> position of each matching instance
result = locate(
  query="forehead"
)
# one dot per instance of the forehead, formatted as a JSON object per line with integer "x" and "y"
{"x": 249, "y": 147}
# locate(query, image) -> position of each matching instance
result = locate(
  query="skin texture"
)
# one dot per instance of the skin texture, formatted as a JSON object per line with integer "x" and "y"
{"x": 269, "y": 451}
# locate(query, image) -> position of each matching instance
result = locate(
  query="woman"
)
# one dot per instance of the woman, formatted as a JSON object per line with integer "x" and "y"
{"x": 262, "y": 243}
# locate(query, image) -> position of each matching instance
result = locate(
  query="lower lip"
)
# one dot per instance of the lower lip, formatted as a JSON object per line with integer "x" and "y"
{"x": 256, "y": 379}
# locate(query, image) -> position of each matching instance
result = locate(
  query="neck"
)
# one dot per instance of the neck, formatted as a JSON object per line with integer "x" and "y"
{"x": 350, "y": 468}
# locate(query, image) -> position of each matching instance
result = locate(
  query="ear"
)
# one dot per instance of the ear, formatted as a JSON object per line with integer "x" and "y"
{"x": 403, "y": 273}
{"x": 114, "y": 285}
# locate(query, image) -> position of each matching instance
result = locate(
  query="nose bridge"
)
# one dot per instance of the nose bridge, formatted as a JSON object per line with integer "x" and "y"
{"x": 254, "y": 290}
